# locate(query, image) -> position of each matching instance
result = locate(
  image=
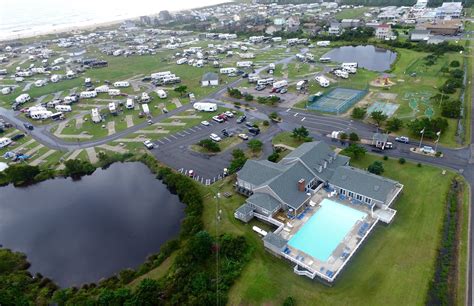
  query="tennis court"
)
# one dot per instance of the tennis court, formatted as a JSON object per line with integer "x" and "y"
{"x": 337, "y": 100}
{"x": 386, "y": 108}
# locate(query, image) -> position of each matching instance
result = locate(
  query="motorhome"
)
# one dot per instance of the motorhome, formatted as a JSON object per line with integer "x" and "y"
{"x": 161, "y": 93}
{"x": 159, "y": 75}
{"x": 301, "y": 84}
{"x": 341, "y": 74}
{"x": 323, "y": 82}
{"x": 323, "y": 43}
{"x": 88, "y": 94}
{"x": 228, "y": 70}
{"x": 102, "y": 88}
{"x": 23, "y": 98}
{"x": 245, "y": 64}
{"x": 55, "y": 78}
{"x": 114, "y": 92}
{"x": 57, "y": 116}
{"x": 88, "y": 82}
{"x": 205, "y": 107}
{"x": 40, "y": 83}
{"x": 4, "y": 142}
{"x": 171, "y": 80}
{"x": 145, "y": 109}
{"x": 113, "y": 108}
{"x": 95, "y": 115}
{"x": 40, "y": 114}
{"x": 349, "y": 65}
{"x": 130, "y": 104}
{"x": 63, "y": 108}
{"x": 121, "y": 84}
{"x": 280, "y": 84}
{"x": 182, "y": 61}
{"x": 145, "y": 98}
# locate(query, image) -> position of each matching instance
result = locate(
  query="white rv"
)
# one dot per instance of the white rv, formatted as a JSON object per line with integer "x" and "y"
{"x": 244, "y": 64}
{"x": 205, "y": 107}
{"x": 182, "y": 61}
{"x": 96, "y": 117}
{"x": 40, "y": 83}
{"x": 88, "y": 94}
{"x": 53, "y": 103}
{"x": 309, "y": 57}
{"x": 323, "y": 43}
{"x": 341, "y": 74}
{"x": 280, "y": 84}
{"x": 58, "y": 61}
{"x": 6, "y": 90}
{"x": 228, "y": 70}
{"x": 114, "y": 92}
{"x": 40, "y": 114}
{"x": 323, "y": 82}
{"x": 264, "y": 82}
{"x": 4, "y": 142}
{"x": 130, "y": 104}
{"x": 121, "y": 84}
{"x": 349, "y": 69}
{"x": 349, "y": 65}
{"x": 70, "y": 99}
{"x": 112, "y": 108}
{"x": 161, "y": 93}
{"x": 300, "y": 57}
{"x": 301, "y": 84}
{"x": 63, "y": 108}
{"x": 146, "y": 109}
{"x": 159, "y": 75}
{"x": 23, "y": 98}
{"x": 253, "y": 78}
{"x": 145, "y": 98}
{"x": 103, "y": 88}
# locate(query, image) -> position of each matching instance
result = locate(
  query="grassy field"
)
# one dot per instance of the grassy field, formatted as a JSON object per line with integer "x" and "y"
{"x": 393, "y": 267}
{"x": 352, "y": 13}
{"x": 286, "y": 139}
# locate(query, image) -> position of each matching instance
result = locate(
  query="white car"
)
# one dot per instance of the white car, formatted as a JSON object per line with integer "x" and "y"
{"x": 217, "y": 119}
{"x": 206, "y": 123}
{"x": 229, "y": 114}
{"x": 403, "y": 139}
{"x": 428, "y": 150}
{"x": 148, "y": 144}
{"x": 243, "y": 136}
{"x": 215, "y": 137}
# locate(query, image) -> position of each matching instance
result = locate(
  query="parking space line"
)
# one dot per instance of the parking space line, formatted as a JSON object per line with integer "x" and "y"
{"x": 303, "y": 119}
{"x": 160, "y": 141}
{"x": 180, "y": 134}
{"x": 198, "y": 127}
{"x": 174, "y": 136}
{"x": 288, "y": 110}
{"x": 296, "y": 114}
{"x": 167, "y": 139}
{"x": 192, "y": 129}
{"x": 186, "y": 132}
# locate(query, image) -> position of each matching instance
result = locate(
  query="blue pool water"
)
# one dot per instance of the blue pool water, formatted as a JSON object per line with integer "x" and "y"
{"x": 323, "y": 232}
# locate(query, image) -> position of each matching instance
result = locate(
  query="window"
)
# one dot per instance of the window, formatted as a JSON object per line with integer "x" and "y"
{"x": 367, "y": 200}
{"x": 359, "y": 197}
{"x": 351, "y": 194}
{"x": 343, "y": 192}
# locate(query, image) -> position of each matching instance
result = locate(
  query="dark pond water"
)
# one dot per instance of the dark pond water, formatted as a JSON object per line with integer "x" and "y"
{"x": 368, "y": 57}
{"x": 77, "y": 232}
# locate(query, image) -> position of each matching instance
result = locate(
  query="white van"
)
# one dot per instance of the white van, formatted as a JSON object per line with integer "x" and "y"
{"x": 161, "y": 94}
{"x": 23, "y": 98}
{"x": 63, "y": 108}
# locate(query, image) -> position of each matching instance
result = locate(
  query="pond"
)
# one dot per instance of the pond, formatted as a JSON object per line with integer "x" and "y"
{"x": 77, "y": 232}
{"x": 368, "y": 57}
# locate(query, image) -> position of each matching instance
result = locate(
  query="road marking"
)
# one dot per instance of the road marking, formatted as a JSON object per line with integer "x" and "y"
{"x": 185, "y": 172}
{"x": 167, "y": 139}
{"x": 174, "y": 136}
{"x": 192, "y": 129}
{"x": 160, "y": 141}
{"x": 296, "y": 114}
{"x": 187, "y": 132}
{"x": 288, "y": 110}
{"x": 198, "y": 127}
{"x": 180, "y": 134}
{"x": 303, "y": 119}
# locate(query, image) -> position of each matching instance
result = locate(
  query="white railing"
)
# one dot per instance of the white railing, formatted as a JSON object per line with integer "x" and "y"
{"x": 271, "y": 220}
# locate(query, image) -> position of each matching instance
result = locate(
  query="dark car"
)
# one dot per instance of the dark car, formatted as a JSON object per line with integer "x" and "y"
{"x": 28, "y": 126}
{"x": 249, "y": 124}
{"x": 146, "y": 79}
{"x": 226, "y": 133}
{"x": 17, "y": 137}
{"x": 241, "y": 119}
{"x": 254, "y": 131}
{"x": 377, "y": 150}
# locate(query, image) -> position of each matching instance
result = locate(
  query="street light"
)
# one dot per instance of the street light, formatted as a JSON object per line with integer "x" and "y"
{"x": 437, "y": 140}
{"x": 422, "y": 132}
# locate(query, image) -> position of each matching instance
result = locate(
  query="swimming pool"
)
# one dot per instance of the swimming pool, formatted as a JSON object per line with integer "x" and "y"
{"x": 323, "y": 232}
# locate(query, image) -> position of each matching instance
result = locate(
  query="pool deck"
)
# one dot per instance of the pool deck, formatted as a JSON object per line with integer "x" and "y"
{"x": 310, "y": 266}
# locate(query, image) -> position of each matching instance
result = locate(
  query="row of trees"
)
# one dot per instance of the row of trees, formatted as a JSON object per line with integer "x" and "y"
{"x": 378, "y": 117}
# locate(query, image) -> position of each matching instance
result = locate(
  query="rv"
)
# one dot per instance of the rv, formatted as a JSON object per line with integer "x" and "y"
{"x": 276, "y": 39}
{"x": 55, "y": 78}
{"x": 309, "y": 57}
{"x": 57, "y": 116}
{"x": 129, "y": 104}
{"x": 4, "y": 142}
{"x": 88, "y": 94}
{"x": 280, "y": 84}
{"x": 103, "y": 88}
{"x": 341, "y": 74}
{"x": 301, "y": 84}
{"x": 325, "y": 59}
{"x": 145, "y": 98}
{"x": 88, "y": 82}
{"x": 228, "y": 70}
{"x": 6, "y": 90}
{"x": 292, "y": 41}
{"x": 349, "y": 65}
{"x": 300, "y": 57}
{"x": 70, "y": 99}
{"x": 96, "y": 117}
{"x": 253, "y": 78}
{"x": 349, "y": 69}
{"x": 23, "y": 98}
{"x": 63, "y": 108}
{"x": 146, "y": 109}
{"x": 58, "y": 61}
{"x": 114, "y": 92}
{"x": 324, "y": 43}
{"x": 245, "y": 64}
{"x": 70, "y": 74}
{"x": 53, "y": 103}
{"x": 199, "y": 63}
{"x": 113, "y": 108}
{"x": 265, "y": 82}
{"x": 161, "y": 94}
{"x": 172, "y": 80}
{"x": 323, "y": 82}
{"x": 271, "y": 66}
{"x": 159, "y": 75}
{"x": 205, "y": 107}
{"x": 182, "y": 61}
{"x": 121, "y": 84}
{"x": 40, "y": 114}
{"x": 40, "y": 83}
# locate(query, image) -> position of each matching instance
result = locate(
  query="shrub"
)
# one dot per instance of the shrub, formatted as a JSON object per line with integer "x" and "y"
{"x": 77, "y": 168}
{"x": 418, "y": 165}
{"x": 353, "y": 137}
{"x": 255, "y": 145}
{"x": 401, "y": 160}
{"x": 385, "y": 157}
{"x": 289, "y": 301}
{"x": 265, "y": 123}
{"x": 358, "y": 113}
{"x": 209, "y": 145}
{"x": 454, "y": 64}
{"x": 376, "y": 168}
{"x": 274, "y": 157}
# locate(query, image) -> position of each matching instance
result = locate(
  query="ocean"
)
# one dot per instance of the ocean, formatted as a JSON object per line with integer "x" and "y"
{"x": 22, "y": 18}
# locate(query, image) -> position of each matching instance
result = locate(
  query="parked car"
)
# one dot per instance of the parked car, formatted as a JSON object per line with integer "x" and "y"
{"x": 283, "y": 90}
{"x": 254, "y": 131}
{"x": 223, "y": 117}
{"x": 403, "y": 139}
{"x": 217, "y": 119}
{"x": 428, "y": 150}
{"x": 215, "y": 137}
{"x": 260, "y": 87}
{"x": 241, "y": 119}
{"x": 388, "y": 145}
{"x": 229, "y": 114}
{"x": 205, "y": 123}
{"x": 249, "y": 124}
{"x": 28, "y": 126}
{"x": 148, "y": 144}
{"x": 17, "y": 137}
{"x": 191, "y": 173}
{"x": 243, "y": 136}
{"x": 227, "y": 133}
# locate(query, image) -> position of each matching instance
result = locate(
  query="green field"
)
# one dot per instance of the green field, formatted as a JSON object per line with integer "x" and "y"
{"x": 352, "y": 13}
{"x": 393, "y": 267}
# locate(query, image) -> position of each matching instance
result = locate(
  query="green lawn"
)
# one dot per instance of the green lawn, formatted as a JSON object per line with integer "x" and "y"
{"x": 352, "y": 13}
{"x": 393, "y": 267}
{"x": 286, "y": 139}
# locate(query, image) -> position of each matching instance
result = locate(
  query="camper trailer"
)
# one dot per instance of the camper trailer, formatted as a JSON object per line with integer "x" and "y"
{"x": 280, "y": 84}
{"x": 159, "y": 75}
{"x": 300, "y": 57}
{"x": 23, "y": 98}
{"x": 301, "y": 84}
{"x": 161, "y": 94}
{"x": 244, "y": 64}
{"x": 309, "y": 57}
{"x": 6, "y": 90}
{"x": 265, "y": 82}
{"x": 121, "y": 84}
{"x": 113, "y": 108}
{"x": 253, "y": 78}
{"x": 145, "y": 98}
{"x": 182, "y": 61}
{"x": 325, "y": 59}
{"x": 146, "y": 109}
{"x": 53, "y": 103}
{"x": 349, "y": 69}
{"x": 205, "y": 107}
{"x": 323, "y": 82}
{"x": 341, "y": 74}
{"x": 114, "y": 92}
{"x": 130, "y": 104}
{"x": 228, "y": 70}
{"x": 323, "y": 43}
{"x": 40, "y": 83}
{"x": 55, "y": 78}
{"x": 40, "y": 114}
{"x": 103, "y": 88}
{"x": 70, "y": 99}
{"x": 88, "y": 94}
{"x": 349, "y": 65}
{"x": 63, "y": 108}
{"x": 96, "y": 117}
{"x": 4, "y": 142}
{"x": 57, "y": 116}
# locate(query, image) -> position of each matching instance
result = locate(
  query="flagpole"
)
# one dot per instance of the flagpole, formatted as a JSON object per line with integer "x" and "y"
{"x": 421, "y": 140}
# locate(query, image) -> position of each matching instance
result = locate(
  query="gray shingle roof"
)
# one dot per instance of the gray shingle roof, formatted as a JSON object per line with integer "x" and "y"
{"x": 257, "y": 172}
{"x": 363, "y": 182}
{"x": 264, "y": 201}
{"x": 275, "y": 240}
{"x": 244, "y": 209}
{"x": 210, "y": 76}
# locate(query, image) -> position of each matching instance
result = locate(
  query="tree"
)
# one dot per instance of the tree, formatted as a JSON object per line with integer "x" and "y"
{"x": 201, "y": 246}
{"x": 147, "y": 293}
{"x": 255, "y": 145}
{"x": 182, "y": 89}
{"x": 358, "y": 113}
{"x": 451, "y": 109}
{"x": 77, "y": 168}
{"x": 378, "y": 117}
{"x": 209, "y": 145}
{"x": 248, "y": 97}
{"x": 343, "y": 136}
{"x": 21, "y": 173}
{"x": 300, "y": 133}
{"x": 354, "y": 137}
{"x": 274, "y": 157}
{"x": 289, "y": 301}
{"x": 431, "y": 126}
{"x": 444, "y": 70}
{"x": 454, "y": 64}
{"x": 376, "y": 168}
{"x": 355, "y": 151}
{"x": 394, "y": 124}
{"x": 238, "y": 160}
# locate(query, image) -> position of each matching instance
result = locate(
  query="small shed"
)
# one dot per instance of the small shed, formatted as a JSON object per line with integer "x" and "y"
{"x": 210, "y": 79}
{"x": 379, "y": 140}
